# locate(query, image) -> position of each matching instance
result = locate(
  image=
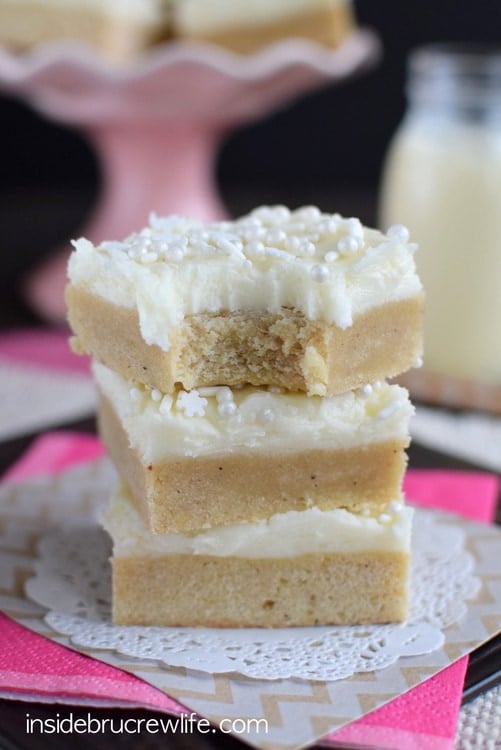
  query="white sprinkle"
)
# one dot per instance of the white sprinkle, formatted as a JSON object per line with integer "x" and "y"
{"x": 265, "y": 214}
{"x": 275, "y": 237}
{"x": 331, "y": 255}
{"x": 156, "y": 395}
{"x": 165, "y": 405}
{"x": 389, "y": 410}
{"x": 366, "y": 389}
{"x": 227, "y": 408}
{"x": 418, "y": 363}
{"x": 191, "y": 403}
{"x": 366, "y": 512}
{"x": 224, "y": 394}
{"x": 282, "y": 213}
{"x": 306, "y": 247}
{"x": 209, "y": 390}
{"x": 148, "y": 257}
{"x": 135, "y": 393}
{"x": 255, "y": 247}
{"x": 394, "y": 507}
{"x": 293, "y": 244}
{"x": 110, "y": 246}
{"x": 328, "y": 226}
{"x": 231, "y": 245}
{"x": 171, "y": 242}
{"x": 319, "y": 273}
{"x": 275, "y": 389}
{"x": 384, "y": 518}
{"x": 398, "y": 232}
{"x": 204, "y": 249}
{"x": 274, "y": 252}
{"x": 355, "y": 228}
{"x": 376, "y": 384}
{"x": 162, "y": 247}
{"x": 250, "y": 222}
{"x": 252, "y": 234}
{"x": 308, "y": 213}
{"x": 347, "y": 245}
{"x": 175, "y": 254}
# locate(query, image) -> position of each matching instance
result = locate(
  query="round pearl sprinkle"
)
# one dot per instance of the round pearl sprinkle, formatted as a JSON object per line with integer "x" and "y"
{"x": 306, "y": 247}
{"x": 255, "y": 246}
{"x": 227, "y": 408}
{"x": 224, "y": 394}
{"x": 319, "y": 273}
{"x": 347, "y": 245}
{"x": 282, "y": 213}
{"x": 355, "y": 228}
{"x": 308, "y": 213}
{"x": 398, "y": 232}
{"x": 366, "y": 389}
{"x": 276, "y": 237}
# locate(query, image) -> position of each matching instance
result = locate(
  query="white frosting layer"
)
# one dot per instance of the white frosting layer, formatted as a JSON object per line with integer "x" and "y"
{"x": 212, "y": 421}
{"x": 326, "y": 267}
{"x": 283, "y": 535}
{"x": 203, "y": 17}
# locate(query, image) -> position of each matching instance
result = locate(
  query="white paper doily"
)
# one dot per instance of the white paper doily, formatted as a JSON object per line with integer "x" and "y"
{"x": 72, "y": 580}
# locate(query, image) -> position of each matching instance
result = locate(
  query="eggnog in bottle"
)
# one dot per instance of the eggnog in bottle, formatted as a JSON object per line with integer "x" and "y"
{"x": 442, "y": 179}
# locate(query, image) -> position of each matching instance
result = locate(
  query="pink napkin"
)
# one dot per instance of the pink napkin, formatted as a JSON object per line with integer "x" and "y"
{"x": 38, "y": 668}
{"x": 42, "y": 348}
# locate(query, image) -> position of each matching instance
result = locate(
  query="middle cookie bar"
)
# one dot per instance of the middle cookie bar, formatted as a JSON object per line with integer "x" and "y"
{"x": 216, "y": 456}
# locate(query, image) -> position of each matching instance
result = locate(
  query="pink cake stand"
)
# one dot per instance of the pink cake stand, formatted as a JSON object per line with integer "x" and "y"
{"x": 156, "y": 125}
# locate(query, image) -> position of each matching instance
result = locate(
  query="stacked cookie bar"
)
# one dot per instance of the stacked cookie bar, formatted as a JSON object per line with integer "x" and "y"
{"x": 241, "y": 370}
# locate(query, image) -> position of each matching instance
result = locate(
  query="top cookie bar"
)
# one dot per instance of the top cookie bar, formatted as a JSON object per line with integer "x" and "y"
{"x": 299, "y": 299}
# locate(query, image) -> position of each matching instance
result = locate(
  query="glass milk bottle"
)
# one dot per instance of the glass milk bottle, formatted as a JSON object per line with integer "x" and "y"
{"x": 442, "y": 179}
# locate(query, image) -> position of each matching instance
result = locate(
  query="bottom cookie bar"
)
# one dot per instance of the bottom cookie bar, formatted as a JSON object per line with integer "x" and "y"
{"x": 298, "y": 568}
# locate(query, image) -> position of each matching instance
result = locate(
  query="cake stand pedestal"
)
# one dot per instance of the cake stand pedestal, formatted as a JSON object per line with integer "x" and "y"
{"x": 156, "y": 126}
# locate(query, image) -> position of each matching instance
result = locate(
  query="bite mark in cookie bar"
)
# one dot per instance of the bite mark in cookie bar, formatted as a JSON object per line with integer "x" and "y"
{"x": 284, "y": 349}
{"x": 215, "y": 457}
{"x": 303, "y": 568}
{"x": 303, "y": 300}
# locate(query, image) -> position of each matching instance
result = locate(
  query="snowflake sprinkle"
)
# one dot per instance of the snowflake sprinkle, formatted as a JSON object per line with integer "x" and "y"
{"x": 191, "y": 403}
